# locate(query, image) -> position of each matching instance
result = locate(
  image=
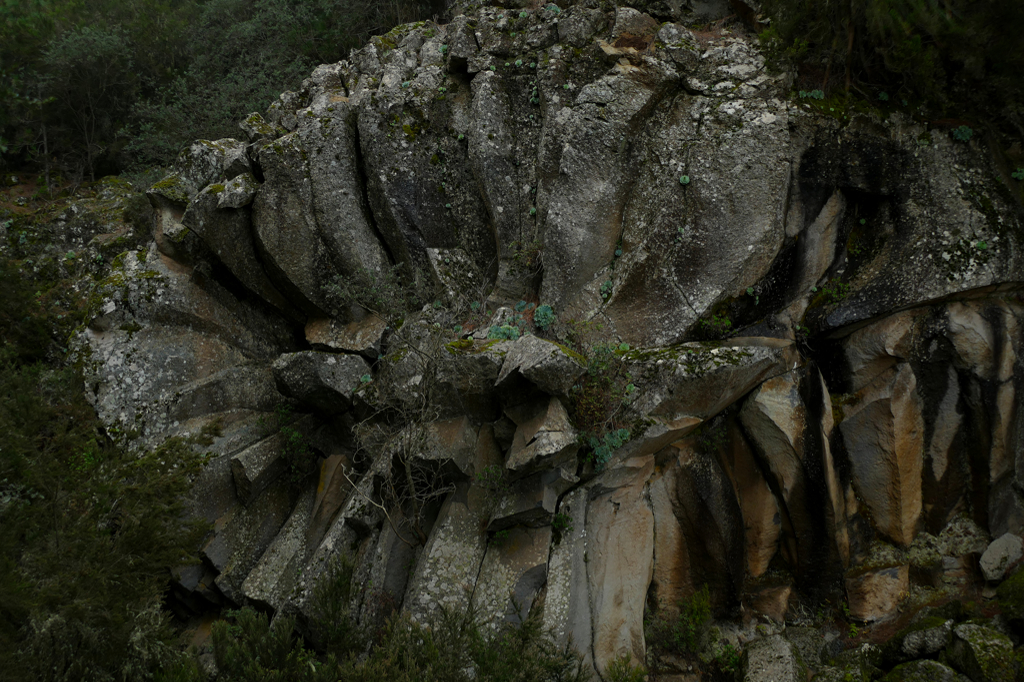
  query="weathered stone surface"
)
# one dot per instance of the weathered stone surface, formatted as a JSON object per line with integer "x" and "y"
{"x": 238, "y": 192}
{"x": 880, "y": 346}
{"x": 770, "y": 659}
{"x": 205, "y": 161}
{"x": 513, "y": 571}
{"x": 227, "y": 232}
{"x": 321, "y": 381}
{"x": 567, "y": 609}
{"x": 923, "y": 671}
{"x": 454, "y": 274}
{"x": 620, "y": 559}
{"x": 981, "y": 653}
{"x": 883, "y": 432}
{"x": 921, "y": 640}
{"x": 270, "y": 581}
{"x": 641, "y": 179}
{"x": 762, "y": 519}
{"x": 587, "y": 198}
{"x": 257, "y": 466}
{"x": 256, "y": 128}
{"x": 242, "y": 535}
{"x": 809, "y": 643}
{"x": 448, "y": 568}
{"x": 332, "y": 490}
{"x": 531, "y": 501}
{"x": 926, "y": 253}
{"x": 171, "y": 345}
{"x": 351, "y": 529}
{"x": 681, "y": 386}
{"x": 546, "y": 439}
{"x": 789, "y": 419}
{"x": 701, "y": 524}
{"x": 672, "y": 579}
{"x": 875, "y": 593}
{"x": 1000, "y": 556}
{"x": 733, "y": 239}
{"x": 545, "y": 364}
{"x": 771, "y": 601}
{"x": 285, "y": 229}
{"x": 360, "y": 336}
{"x": 450, "y": 443}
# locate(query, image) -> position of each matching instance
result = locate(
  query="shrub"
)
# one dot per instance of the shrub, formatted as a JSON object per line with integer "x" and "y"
{"x": 687, "y": 634}
{"x": 622, "y": 670}
{"x": 332, "y": 626}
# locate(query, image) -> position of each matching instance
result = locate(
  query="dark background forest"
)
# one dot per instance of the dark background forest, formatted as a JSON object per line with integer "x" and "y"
{"x": 95, "y": 87}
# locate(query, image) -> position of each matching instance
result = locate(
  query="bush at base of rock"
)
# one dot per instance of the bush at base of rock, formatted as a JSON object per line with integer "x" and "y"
{"x": 453, "y": 648}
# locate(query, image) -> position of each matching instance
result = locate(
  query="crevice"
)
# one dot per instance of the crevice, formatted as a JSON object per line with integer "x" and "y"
{"x": 364, "y": 194}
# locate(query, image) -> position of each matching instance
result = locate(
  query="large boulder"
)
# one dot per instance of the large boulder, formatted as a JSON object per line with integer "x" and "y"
{"x": 771, "y": 658}
{"x": 983, "y": 654}
{"x": 321, "y": 381}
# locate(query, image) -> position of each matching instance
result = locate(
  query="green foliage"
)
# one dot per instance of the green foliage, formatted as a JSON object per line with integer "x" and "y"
{"x": 962, "y": 133}
{"x": 684, "y": 179}
{"x": 604, "y": 447}
{"x": 835, "y": 291}
{"x": 526, "y": 258}
{"x": 88, "y": 531}
{"x": 453, "y": 648}
{"x": 115, "y": 84}
{"x": 505, "y": 332}
{"x": 561, "y": 524}
{"x": 687, "y": 633}
{"x": 717, "y": 326}
{"x": 544, "y": 317}
{"x": 389, "y": 295}
{"x": 813, "y": 94}
{"x": 248, "y": 647}
{"x": 728, "y": 660}
{"x": 952, "y": 56}
{"x": 622, "y": 670}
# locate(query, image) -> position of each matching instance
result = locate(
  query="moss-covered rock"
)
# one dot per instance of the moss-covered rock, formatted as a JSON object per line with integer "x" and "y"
{"x": 983, "y": 654}
{"x": 923, "y": 671}
{"x": 924, "y": 637}
{"x": 1011, "y": 596}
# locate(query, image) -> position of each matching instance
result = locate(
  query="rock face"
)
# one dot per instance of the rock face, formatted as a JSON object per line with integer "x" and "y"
{"x": 681, "y": 328}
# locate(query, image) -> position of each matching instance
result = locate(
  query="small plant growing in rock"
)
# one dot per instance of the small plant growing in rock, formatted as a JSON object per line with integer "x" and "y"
{"x": 606, "y": 289}
{"x": 812, "y": 94}
{"x": 717, "y": 326}
{"x": 835, "y": 291}
{"x": 499, "y": 538}
{"x": 963, "y": 133}
{"x": 505, "y": 332}
{"x": 562, "y": 523}
{"x": 1018, "y": 174}
{"x": 544, "y": 317}
{"x": 605, "y": 447}
{"x": 684, "y": 180}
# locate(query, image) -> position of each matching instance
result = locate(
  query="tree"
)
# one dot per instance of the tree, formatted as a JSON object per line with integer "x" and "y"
{"x": 90, "y": 73}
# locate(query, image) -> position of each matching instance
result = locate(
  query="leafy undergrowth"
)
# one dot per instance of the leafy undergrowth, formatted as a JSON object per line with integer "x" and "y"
{"x": 455, "y": 648}
{"x": 87, "y": 531}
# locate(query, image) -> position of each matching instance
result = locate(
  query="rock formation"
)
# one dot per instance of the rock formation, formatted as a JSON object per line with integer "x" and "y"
{"x": 803, "y": 326}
